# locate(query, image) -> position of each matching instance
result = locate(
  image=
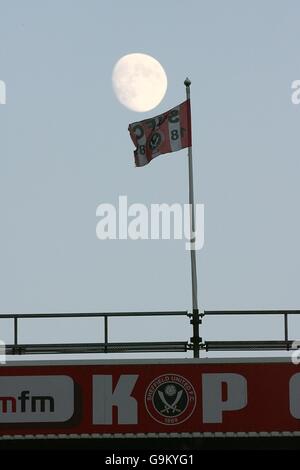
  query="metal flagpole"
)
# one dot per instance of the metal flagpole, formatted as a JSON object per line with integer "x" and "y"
{"x": 195, "y": 321}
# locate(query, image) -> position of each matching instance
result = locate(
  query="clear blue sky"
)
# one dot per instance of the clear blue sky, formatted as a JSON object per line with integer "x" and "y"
{"x": 65, "y": 148}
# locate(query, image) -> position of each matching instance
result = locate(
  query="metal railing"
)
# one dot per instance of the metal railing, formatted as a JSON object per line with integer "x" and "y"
{"x": 192, "y": 344}
{"x": 273, "y": 345}
{"x": 100, "y": 347}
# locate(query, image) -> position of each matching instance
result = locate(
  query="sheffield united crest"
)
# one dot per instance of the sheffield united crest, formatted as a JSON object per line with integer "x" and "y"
{"x": 170, "y": 399}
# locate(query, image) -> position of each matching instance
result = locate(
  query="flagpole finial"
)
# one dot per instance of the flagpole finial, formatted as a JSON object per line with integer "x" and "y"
{"x": 187, "y": 82}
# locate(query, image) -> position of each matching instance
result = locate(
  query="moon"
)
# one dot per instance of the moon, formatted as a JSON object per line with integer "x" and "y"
{"x": 139, "y": 82}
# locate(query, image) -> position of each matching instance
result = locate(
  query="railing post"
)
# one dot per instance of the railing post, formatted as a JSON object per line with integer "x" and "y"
{"x": 286, "y": 331}
{"x": 15, "y": 334}
{"x": 105, "y": 333}
{"x": 196, "y": 321}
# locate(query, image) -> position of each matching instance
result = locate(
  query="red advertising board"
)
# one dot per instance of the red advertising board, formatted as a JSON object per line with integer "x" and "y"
{"x": 142, "y": 397}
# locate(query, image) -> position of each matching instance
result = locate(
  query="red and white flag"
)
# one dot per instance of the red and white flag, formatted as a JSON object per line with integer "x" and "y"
{"x": 168, "y": 132}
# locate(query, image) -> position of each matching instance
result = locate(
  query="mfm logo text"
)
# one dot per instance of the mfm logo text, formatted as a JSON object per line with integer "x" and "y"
{"x": 36, "y": 399}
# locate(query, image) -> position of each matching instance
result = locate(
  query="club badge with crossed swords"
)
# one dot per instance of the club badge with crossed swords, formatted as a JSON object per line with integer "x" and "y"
{"x": 170, "y": 406}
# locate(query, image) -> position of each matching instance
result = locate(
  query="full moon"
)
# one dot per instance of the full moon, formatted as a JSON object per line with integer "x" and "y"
{"x": 139, "y": 82}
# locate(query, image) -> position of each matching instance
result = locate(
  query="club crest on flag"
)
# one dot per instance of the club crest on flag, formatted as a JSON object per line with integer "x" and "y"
{"x": 168, "y": 132}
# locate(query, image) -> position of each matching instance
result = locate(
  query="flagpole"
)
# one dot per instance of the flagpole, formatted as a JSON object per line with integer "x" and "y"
{"x": 195, "y": 321}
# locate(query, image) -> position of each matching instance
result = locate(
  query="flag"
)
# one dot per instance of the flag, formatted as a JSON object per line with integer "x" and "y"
{"x": 168, "y": 132}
